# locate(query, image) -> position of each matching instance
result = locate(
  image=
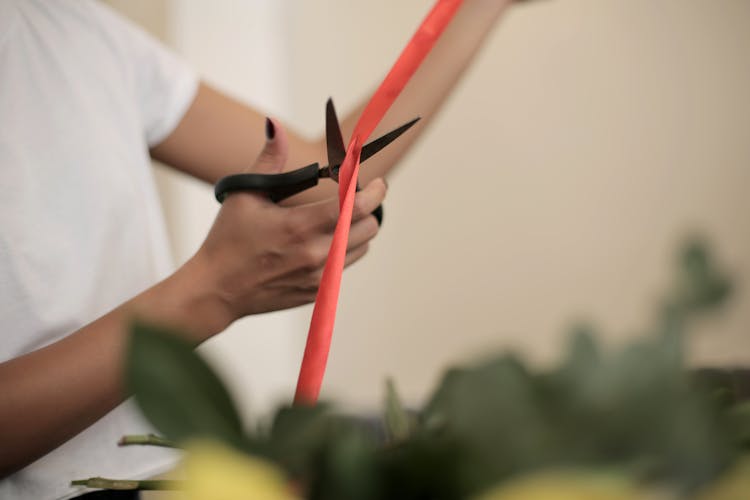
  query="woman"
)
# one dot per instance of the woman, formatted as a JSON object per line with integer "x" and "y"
{"x": 86, "y": 101}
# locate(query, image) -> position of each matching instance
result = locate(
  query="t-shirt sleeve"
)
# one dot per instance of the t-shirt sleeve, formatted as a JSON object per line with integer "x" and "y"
{"x": 164, "y": 85}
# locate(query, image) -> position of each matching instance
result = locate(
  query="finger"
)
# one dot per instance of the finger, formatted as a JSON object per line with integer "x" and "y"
{"x": 360, "y": 235}
{"x": 274, "y": 154}
{"x": 362, "y": 231}
{"x": 355, "y": 254}
{"x": 319, "y": 217}
{"x": 308, "y": 281}
{"x": 369, "y": 199}
{"x": 322, "y": 216}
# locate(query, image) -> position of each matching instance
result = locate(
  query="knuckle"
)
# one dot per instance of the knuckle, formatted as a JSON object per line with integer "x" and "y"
{"x": 357, "y": 254}
{"x": 310, "y": 284}
{"x": 309, "y": 221}
{"x": 367, "y": 229}
{"x": 361, "y": 208}
{"x": 373, "y": 228}
{"x": 271, "y": 259}
{"x": 313, "y": 259}
{"x": 332, "y": 216}
{"x": 295, "y": 228}
{"x": 328, "y": 216}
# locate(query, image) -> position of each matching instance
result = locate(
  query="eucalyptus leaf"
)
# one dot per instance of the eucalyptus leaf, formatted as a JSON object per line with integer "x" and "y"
{"x": 176, "y": 390}
{"x": 345, "y": 467}
{"x": 740, "y": 421}
{"x": 297, "y": 432}
{"x": 398, "y": 423}
{"x": 635, "y": 411}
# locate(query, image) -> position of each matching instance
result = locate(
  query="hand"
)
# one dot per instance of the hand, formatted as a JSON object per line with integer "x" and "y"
{"x": 265, "y": 257}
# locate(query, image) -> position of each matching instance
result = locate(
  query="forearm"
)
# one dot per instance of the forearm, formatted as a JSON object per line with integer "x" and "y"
{"x": 425, "y": 93}
{"x": 50, "y": 395}
{"x": 220, "y": 136}
{"x": 433, "y": 81}
{"x": 258, "y": 257}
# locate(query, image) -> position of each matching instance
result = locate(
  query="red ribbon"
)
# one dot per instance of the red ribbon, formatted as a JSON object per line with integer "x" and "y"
{"x": 324, "y": 314}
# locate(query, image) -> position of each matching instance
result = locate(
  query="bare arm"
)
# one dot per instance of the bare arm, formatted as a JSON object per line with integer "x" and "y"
{"x": 219, "y": 136}
{"x": 50, "y": 395}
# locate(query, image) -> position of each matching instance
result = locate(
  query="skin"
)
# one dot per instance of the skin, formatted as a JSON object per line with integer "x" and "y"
{"x": 50, "y": 395}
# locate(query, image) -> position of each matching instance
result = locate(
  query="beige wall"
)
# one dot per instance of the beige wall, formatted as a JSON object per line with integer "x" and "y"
{"x": 586, "y": 142}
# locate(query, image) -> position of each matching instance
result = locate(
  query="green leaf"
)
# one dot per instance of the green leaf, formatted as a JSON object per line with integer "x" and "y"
{"x": 176, "y": 390}
{"x": 740, "y": 419}
{"x": 345, "y": 467}
{"x": 398, "y": 424}
{"x": 700, "y": 284}
{"x": 297, "y": 433}
{"x": 494, "y": 411}
{"x": 635, "y": 410}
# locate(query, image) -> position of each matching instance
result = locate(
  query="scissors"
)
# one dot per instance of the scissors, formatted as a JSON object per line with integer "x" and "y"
{"x": 286, "y": 184}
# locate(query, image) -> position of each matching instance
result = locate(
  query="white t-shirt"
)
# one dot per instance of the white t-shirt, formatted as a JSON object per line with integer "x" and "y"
{"x": 83, "y": 94}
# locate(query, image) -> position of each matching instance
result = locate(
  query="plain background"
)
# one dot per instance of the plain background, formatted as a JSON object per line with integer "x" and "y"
{"x": 586, "y": 143}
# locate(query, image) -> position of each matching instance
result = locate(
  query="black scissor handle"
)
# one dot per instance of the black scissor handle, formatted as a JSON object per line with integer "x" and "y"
{"x": 378, "y": 212}
{"x": 276, "y": 186}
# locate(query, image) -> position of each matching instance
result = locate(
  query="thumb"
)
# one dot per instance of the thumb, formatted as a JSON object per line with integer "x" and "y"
{"x": 274, "y": 154}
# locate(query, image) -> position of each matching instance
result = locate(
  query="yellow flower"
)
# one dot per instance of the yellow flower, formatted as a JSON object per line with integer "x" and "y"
{"x": 217, "y": 472}
{"x": 567, "y": 485}
{"x": 734, "y": 485}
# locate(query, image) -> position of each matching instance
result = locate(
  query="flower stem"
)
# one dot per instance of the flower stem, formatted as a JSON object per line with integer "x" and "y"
{"x": 146, "y": 439}
{"x": 128, "y": 484}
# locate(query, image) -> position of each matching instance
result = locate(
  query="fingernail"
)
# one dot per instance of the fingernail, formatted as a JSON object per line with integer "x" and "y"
{"x": 385, "y": 182}
{"x": 270, "y": 129}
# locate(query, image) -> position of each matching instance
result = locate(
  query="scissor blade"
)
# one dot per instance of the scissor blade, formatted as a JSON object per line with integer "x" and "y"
{"x": 375, "y": 146}
{"x": 334, "y": 139}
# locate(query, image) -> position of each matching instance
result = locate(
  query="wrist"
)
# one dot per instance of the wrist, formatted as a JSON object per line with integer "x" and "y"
{"x": 202, "y": 301}
{"x": 187, "y": 301}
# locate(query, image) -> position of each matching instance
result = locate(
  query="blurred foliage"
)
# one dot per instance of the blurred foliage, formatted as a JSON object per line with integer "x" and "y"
{"x": 176, "y": 389}
{"x": 635, "y": 416}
